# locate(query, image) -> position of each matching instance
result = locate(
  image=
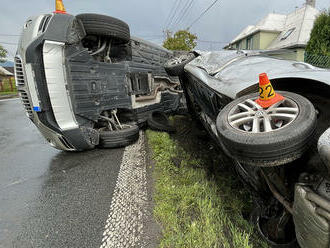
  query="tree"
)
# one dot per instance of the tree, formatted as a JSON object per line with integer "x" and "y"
{"x": 182, "y": 40}
{"x": 3, "y": 54}
{"x": 319, "y": 42}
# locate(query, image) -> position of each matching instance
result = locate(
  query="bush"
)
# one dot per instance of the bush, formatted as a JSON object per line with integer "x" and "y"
{"x": 319, "y": 43}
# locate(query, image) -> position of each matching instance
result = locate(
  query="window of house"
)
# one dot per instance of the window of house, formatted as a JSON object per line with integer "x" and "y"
{"x": 249, "y": 43}
{"x": 287, "y": 33}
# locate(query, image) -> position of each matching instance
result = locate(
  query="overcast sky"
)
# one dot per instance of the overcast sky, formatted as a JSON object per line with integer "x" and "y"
{"x": 147, "y": 18}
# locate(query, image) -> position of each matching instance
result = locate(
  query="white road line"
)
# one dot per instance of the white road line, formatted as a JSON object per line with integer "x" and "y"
{"x": 9, "y": 99}
{"x": 124, "y": 226}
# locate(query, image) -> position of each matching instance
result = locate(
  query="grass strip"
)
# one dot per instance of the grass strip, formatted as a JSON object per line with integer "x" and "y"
{"x": 194, "y": 209}
{"x": 8, "y": 93}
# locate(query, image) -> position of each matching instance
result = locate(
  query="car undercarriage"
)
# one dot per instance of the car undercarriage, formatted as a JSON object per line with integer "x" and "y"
{"x": 85, "y": 82}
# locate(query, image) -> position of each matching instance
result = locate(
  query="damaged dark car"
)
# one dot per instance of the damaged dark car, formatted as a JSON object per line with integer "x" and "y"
{"x": 281, "y": 152}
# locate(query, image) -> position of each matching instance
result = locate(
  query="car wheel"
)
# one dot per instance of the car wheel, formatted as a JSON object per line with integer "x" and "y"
{"x": 119, "y": 138}
{"x": 158, "y": 121}
{"x": 175, "y": 66}
{"x": 267, "y": 137}
{"x": 102, "y": 25}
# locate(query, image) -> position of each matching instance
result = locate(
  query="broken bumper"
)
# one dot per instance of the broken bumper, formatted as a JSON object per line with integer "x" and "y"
{"x": 42, "y": 86}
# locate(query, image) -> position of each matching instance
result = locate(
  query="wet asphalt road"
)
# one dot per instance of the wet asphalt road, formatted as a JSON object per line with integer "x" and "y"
{"x": 50, "y": 198}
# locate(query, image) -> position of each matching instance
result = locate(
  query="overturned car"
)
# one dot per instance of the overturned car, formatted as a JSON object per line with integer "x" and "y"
{"x": 85, "y": 82}
{"x": 280, "y": 152}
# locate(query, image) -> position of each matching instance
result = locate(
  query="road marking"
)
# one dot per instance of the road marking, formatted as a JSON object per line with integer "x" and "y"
{"x": 124, "y": 226}
{"x": 9, "y": 99}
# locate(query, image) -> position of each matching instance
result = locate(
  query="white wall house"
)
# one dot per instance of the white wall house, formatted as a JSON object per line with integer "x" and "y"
{"x": 285, "y": 35}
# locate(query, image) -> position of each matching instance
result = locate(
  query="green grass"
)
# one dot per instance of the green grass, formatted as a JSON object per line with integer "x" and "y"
{"x": 194, "y": 208}
{"x": 8, "y": 93}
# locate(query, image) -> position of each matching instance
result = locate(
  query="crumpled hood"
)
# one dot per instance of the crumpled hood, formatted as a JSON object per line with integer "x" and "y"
{"x": 233, "y": 71}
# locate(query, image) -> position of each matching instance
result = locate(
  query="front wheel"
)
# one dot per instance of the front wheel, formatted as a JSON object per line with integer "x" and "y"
{"x": 267, "y": 137}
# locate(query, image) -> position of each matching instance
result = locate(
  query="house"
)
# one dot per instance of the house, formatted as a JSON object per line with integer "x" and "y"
{"x": 286, "y": 36}
{"x": 5, "y": 73}
{"x": 8, "y": 65}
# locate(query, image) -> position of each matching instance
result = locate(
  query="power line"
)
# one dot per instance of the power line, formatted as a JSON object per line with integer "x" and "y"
{"x": 151, "y": 36}
{"x": 10, "y": 53}
{"x": 174, "y": 14}
{"x": 203, "y": 13}
{"x": 170, "y": 13}
{"x": 187, "y": 12}
{"x": 184, "y": 13}
{"x": 8, "y": 43}
{"x": 175, "y": 18}
{"x": 10, "y": 35}
{"x": 155, "y": 39}
{"x": 183, "y": 10}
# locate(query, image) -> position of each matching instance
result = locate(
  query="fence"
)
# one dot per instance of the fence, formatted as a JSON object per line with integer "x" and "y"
{"x": 322, "y": 61}
{"x": 7, "y": 86}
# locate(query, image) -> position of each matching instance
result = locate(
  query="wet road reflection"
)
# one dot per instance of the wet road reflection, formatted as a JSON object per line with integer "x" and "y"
{"x": 50, "y": 198}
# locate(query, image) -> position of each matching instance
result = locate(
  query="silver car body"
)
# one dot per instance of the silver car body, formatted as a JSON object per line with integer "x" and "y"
{"x": 235, "y": 71}
{"x": 231, "y": 74}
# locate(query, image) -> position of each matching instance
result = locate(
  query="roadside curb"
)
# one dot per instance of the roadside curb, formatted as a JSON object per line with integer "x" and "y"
{"x": 130, "y": 221}
{"x": 4, "y": 97}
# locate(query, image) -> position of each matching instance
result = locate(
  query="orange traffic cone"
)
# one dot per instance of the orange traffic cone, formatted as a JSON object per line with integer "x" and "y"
{"x": 267, "y": 94}
{"x": 59, "y": 7}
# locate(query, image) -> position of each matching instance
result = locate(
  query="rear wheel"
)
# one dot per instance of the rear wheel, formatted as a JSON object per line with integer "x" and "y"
{"x": 119, "y": 138}
{"x": 267, "y": 137}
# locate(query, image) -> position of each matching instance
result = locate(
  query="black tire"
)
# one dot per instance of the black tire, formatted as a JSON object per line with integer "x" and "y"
{"x": 270, "y": 148}
{"x": 176, "y": 69}
{"x": 108, "y": 26}
{"x": 119, "y": 138}
{"x": 158, "y": 121}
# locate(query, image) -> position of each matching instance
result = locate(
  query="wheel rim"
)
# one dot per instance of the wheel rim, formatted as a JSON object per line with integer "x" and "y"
{"x": 248, "y": 116}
